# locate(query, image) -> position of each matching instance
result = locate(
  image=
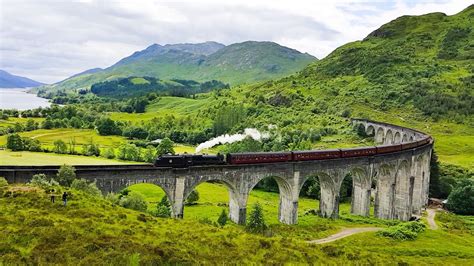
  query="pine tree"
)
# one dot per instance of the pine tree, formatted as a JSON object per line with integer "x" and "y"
{"x": 222, "y": 220}
{"x": 256, "y": 223}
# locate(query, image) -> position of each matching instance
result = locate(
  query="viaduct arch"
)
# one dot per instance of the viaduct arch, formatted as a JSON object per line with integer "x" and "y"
{"x": 401, "y": 178}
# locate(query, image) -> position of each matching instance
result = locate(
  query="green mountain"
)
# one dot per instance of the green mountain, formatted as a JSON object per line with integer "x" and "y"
{"x": 235, "y": 64}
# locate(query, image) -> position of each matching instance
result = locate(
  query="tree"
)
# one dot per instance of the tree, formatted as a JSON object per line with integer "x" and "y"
{"x": 461, "y": 199}
{"x": 435, "y": 190}
{"x": 91, "y": 149}
{"x": 30, "y": 144}
{"x": 192, "y": 198}
{"x": 106, "y": 126}
{"x": 14, "y": 142}
{"x": 66, "y": 175}
{"x": 134, "y": 201}
{"x": 129, "y": 152}
{"x": 60, "y": 146}
{"x": 256, "y": 223}
{"x": 149, "y": 155}
{"x": 163, "y": 208}
{"x": 109, "y": 153}
{"x": 31, "y": 125}
{"x": 165, "y": 147}
{"x": 83, "y": 185}
{"x": 222, "y": 220}
{"x": 42, "y": 181}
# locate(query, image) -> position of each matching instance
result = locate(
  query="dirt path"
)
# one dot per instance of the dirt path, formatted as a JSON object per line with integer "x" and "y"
{"x": 431, "y": 220}
{"x": 344, "y": 233}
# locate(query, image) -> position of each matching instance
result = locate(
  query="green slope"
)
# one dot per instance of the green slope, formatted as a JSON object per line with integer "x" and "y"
{"x": 235, "y": 64}
{"x": 92, "y": 231}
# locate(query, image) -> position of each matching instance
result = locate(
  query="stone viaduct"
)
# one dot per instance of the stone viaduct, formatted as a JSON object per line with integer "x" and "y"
{"x": 399, "y": 180}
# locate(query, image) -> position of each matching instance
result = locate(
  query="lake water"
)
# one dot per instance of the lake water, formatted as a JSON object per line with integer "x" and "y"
{"x": 20, "y": 100}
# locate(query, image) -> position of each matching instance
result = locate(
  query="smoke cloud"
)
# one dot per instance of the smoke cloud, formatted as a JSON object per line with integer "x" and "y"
{"x": 223, "y": 139}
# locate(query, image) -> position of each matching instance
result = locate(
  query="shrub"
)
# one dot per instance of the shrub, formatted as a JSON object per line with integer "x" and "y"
{"x": 42, "y": 181}
{"x": 83, "y": 185}
{"x": 222, "y": 220}
{"x": 163, "y": 208}
{"x": 461, "y": 198}
{"x": 3, "y": 182}
{"x": 134, "y": 201}
{"x": 192, "y": 198}
{"x": 165, "y": 147}
{"x": 256, "y": 223}
{"x": 66, "y": 175}
{"x": 14, "y": 142}
{"x": 109, "y": 153}
{"x": 403, "y": 231}
{"x": 60, "y": 146}
{"x": 91, "y": 149}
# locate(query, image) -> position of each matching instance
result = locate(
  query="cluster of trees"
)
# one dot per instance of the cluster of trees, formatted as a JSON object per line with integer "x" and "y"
{"x": 17, "y": 143}
{"x": 140, "y": 86}
{"x": 126, "y": 151}
{"x": 66, "y": 177}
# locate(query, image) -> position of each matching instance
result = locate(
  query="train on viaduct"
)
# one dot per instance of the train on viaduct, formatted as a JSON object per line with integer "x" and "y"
{"x": 395, "y": 173}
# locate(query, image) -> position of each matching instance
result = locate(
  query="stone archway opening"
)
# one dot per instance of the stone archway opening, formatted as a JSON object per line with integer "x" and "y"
{"x": 370, "y": 131}
{"x": 309, "y": 196}
{"x": 389, "y": 137}
{"x": 380, "y": 136}
{"x": 274, "y": 195}
{"x": 397, "y": 139}
{"x": 345, "y": 194}
{"x": 207, "y": 200}
{"x": 152, "y": 194}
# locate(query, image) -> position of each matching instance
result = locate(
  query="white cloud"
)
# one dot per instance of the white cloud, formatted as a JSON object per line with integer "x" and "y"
{"x": 50, "y": 40}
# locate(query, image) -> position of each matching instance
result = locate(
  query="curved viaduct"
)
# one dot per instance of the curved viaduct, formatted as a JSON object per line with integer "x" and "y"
{"x": 399, "y": 180}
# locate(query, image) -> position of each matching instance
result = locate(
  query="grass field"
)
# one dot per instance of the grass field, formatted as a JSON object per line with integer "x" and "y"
{"x": 80, "y": 136}
{"x": 165, "y": 106}
{"x": 13, "y": 120}
{"x": 40, "y": 158}
{"x": 213, "y": 198}
{"x": 92, "y": 231}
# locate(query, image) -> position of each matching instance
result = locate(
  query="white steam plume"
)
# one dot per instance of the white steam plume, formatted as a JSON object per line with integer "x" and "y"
{"x": 223, "y": 139}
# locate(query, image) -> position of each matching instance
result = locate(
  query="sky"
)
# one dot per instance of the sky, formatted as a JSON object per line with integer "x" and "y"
{"x": 50, "y": 40}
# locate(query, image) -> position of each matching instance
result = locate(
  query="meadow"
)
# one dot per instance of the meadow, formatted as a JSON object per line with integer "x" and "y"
{"x": 91, "y": 230}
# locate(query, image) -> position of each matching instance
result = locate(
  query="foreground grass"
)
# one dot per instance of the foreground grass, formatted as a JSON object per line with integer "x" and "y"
{"x": 38, "y": 158}
{"x": 91, "y": 231}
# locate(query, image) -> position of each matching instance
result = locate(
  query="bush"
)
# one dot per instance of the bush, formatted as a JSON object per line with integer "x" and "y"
{"x": 403, "y": 231}
{"x": 163, "y": 208}
{"x": 222, "y": 220}
{"x": 60, "y": 147}
{"x": 165, "y": 147}
{"x": 42, "y": 181}
{"x": 66, "y": 175}
{"x": 91, "y": 149}
{"x": 14, "y": 142}
{"x": 192, "y": 198}
{"x": 3, "y": 182}
{"x": 134, "y": 201}
{"x": 256, "y": 223}
{"x": 83, "y": 185}
{"x": 109, "y": 153}
{"x": 461, "y": 198}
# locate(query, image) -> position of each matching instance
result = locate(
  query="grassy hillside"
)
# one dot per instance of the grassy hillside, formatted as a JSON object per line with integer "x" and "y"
{"x": 91, "y": 230}
{"x": 235, "y": 64}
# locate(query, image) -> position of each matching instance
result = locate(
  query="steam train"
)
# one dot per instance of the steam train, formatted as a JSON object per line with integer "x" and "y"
{"x": 186, "y": 160}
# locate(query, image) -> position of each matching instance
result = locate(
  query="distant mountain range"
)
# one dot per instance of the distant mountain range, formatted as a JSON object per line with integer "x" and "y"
{"x": 235, "y": 64}
{"x": 8, "y": 80}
